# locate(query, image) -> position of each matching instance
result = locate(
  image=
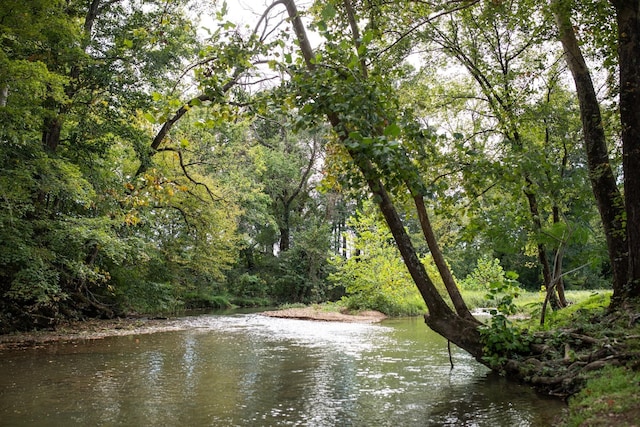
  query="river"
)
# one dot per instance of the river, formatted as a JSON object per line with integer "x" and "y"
{"x": 252, "y": 370}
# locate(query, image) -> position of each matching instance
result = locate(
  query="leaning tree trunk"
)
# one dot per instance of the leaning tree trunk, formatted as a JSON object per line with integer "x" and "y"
{"x": 438, "y": 259}
{"x": 461, "y": 331}
{"x": 603, "y": 182}
{"x": 441, "y": 318}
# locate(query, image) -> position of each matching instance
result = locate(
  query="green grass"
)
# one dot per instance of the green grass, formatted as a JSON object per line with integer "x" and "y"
{"x": 609, "y": 398}
{"x": 528, "y": 302}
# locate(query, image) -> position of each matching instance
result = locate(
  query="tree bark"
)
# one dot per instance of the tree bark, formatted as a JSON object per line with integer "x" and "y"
{"x": 4, "y": 94}
{"x": 462, "y": 332}
{"x": 628, "y": 19}
{"x": 285, "y": 227}
{"x": 603, "y": 182}
{"x": 542, "y": 251}
{"x": 438, "y": 259}
{"x": 51, "y": 133}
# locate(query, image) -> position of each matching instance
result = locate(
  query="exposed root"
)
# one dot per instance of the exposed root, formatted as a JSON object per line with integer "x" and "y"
{"x": 559, "y": 362}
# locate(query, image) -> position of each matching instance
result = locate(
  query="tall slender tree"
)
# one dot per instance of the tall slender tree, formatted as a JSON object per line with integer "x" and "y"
{"x": 619, "y": 214}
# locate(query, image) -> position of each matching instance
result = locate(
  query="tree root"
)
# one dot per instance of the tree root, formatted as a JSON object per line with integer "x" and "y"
{"x": 561, "y": 363}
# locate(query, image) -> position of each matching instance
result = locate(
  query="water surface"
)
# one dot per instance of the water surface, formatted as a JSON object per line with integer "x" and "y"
{"x": 251, "y": 370}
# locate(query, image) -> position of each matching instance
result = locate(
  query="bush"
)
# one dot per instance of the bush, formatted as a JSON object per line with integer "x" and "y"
{"x": 487, "y": 274}
{"x": 249, "y": 286}
{"x": 200, "y": 301}
{"x": 376, "y": 278}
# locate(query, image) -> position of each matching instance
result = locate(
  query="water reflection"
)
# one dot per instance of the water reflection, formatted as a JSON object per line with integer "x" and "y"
{"x": 253, "y": 370}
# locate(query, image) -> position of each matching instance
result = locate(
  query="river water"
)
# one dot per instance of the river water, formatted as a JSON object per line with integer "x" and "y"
{"x": 251, "y": 370}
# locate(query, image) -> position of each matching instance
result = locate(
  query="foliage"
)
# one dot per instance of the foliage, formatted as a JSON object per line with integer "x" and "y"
{"x": 303, "y": 269}
{"x": 501, "y": 340}
{"x": 583, "y": 308}
{"x": 500, "y": 337}
{"x": 100, "y": 216}
{"x": 487, "y": 275}
{"x": 374, "y": 276}
{"x": 78, "y": 234}
{"x": 249, "y": 286}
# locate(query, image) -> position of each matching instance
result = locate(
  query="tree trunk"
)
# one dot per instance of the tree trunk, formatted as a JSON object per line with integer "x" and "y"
{"x": 51, "y": 133}
{"x": 4, "y": 95}
{"x": 628, "y": 18}
{"x": 462, "y": 332}
{"x": 542, "y": 251}
{"x": 438, "y": 259}
{"x": 603, "y": 182}
{"x": 558, "y": 256}
{"x": 285, "y": 239}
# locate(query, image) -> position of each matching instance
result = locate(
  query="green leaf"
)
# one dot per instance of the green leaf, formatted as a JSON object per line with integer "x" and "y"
{"x": 150, "y": 117}
{"x": 328, "y": 12}
{"x": 367, "y": 37}
{"x": 393, "y": 130}
{"x": 355, "y": 136}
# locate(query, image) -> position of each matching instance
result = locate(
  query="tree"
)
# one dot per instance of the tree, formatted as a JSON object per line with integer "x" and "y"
{"x": 628, "y": 20}
{"x": 288, "y": 164}
{"x": 353, "y": 99}
{"x": 375, "y": 277}
{"x": 75, "y": 78}
{"x": 344, "y": 81}
{"x": 619, "y": 216}
{"x": 502, "y": 49}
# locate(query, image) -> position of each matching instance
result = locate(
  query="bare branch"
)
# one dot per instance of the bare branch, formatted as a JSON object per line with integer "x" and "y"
{"x": 183, "y": 166}
{"x": 426, "y": 21}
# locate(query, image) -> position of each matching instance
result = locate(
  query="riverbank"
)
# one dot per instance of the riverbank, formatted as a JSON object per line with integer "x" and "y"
{"x": 92, "y": 329}
{"x": 317, "y": 313}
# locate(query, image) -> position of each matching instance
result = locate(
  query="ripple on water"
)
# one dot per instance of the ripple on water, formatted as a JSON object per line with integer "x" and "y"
{"x": 256, "y": 370}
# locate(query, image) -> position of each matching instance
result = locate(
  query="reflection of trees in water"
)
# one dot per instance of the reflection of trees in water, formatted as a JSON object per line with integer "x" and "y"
{"x": 492, "y": 400}
{"x": 255, "y": 370}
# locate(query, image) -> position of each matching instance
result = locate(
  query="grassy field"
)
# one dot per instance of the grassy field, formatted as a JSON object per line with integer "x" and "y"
{"x": 530, "y": 303}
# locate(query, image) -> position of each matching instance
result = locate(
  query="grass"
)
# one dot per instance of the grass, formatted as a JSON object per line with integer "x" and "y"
{"x": 609, "y": 398}
{"x": 529, "y": 305}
